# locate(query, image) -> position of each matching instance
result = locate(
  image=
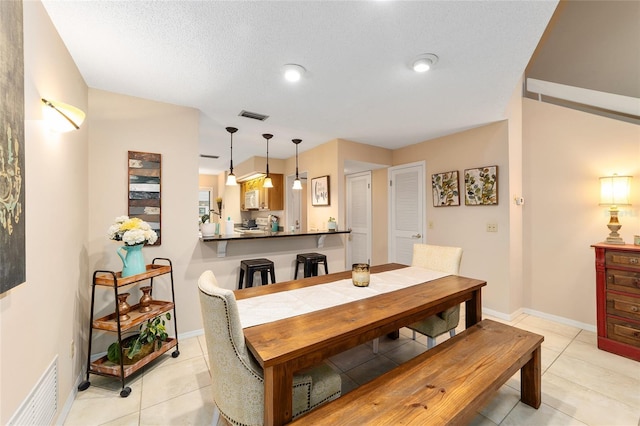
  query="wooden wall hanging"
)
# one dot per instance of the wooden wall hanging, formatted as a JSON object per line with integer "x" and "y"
{"x": 144, "y": 189}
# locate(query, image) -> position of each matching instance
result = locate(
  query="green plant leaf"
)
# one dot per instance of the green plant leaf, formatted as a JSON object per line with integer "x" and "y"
{"x": 113, "y": 352}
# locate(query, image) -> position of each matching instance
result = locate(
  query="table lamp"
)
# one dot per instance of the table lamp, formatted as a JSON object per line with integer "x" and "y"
{"x": 615, "y": 191}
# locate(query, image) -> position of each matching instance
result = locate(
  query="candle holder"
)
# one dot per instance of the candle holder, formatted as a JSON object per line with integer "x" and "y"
{"x": 360, "y": 274}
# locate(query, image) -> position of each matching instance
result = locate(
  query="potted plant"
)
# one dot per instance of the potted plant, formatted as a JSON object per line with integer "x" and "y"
{"x": 332, "y": 225}
{"x": 207, "y": 228}
{"x": 136, "y": 347}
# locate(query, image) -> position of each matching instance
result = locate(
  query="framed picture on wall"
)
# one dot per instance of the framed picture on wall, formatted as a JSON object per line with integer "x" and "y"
{"x": 481, "y": 186}
{"x": 320, "y": 195}
{"x": 445, "y": 189}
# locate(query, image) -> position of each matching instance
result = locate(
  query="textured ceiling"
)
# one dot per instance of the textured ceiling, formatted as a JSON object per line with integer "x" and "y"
{"x": 223, "y": 57}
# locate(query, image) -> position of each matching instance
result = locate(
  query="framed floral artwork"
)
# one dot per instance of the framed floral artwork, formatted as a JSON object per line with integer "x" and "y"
{"x": 445, "y": 189}
{"x": 481, "y": 186}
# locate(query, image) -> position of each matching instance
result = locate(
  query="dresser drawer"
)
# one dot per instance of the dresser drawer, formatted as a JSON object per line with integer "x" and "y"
{"x": 623, "y": 306}
{"x": 623, "y": 281}
{"x": 623, "y": 331}
{"x": 627, "y": 259}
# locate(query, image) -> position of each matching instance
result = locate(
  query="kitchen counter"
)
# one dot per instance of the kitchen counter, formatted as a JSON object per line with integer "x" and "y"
{"x": 222, "y": 240}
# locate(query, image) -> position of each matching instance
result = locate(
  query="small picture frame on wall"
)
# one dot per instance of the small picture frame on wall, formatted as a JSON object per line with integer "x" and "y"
{"x": 320, "y": 193}
{"x": 446, "y": 191}
{"x": 481, "y": 186}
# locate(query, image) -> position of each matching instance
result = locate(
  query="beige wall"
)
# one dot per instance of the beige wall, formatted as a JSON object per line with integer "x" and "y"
{"x": 119, "y": 124}
{"x": 41, "y": 317}
{"x": 485, "y": 254}
{"x": 565, "y": 151}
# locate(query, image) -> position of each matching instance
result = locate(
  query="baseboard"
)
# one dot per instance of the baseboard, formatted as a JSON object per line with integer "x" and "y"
{"x": 539, "y": 314}
{"x": 561, "y": 320}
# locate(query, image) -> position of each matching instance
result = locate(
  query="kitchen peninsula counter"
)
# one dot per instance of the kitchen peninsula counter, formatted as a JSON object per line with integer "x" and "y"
{"x": 222, "y": 240}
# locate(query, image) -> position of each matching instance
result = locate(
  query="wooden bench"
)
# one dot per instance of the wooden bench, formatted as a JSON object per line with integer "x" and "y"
{"x": 448, "y": 384}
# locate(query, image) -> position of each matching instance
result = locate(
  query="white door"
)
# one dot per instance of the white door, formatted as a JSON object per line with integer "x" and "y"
{"x": 359, "y": 218}
{"x": 406, "y": 210}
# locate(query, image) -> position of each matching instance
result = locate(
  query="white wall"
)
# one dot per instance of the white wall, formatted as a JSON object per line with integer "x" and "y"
{"x": 41, "y": 317}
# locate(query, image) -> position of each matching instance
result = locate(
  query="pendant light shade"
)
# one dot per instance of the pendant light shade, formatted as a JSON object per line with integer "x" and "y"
{"x": 296, "y": 183}
{"x": 267, "y": 180}
{"x": 231, "y": 178}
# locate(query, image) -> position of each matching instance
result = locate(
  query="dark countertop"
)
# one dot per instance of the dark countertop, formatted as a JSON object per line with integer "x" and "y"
{"x": 268, "y": 234}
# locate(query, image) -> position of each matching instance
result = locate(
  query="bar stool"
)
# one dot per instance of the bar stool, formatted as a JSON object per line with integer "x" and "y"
{"x": 310, "y": 262}
{"x": 251, "y": 266}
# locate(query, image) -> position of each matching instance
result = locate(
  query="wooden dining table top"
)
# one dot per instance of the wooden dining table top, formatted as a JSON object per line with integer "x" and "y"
{"x": 321, "y": 332}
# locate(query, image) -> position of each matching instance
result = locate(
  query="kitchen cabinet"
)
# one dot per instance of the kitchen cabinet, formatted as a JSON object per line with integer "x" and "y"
{"x": 618, "y": 299}
{"x": 270, "y": 198}
{"x": 135, "y": 316}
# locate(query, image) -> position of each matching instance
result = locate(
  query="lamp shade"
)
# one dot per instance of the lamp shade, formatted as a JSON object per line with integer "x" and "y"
{"x": 62, "y": 117}
{"x": 615, "y": 190}
{"x": 231, "y": 180}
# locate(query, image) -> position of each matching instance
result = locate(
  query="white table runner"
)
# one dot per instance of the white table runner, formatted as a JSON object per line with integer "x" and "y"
{"x": 276, "y": 306}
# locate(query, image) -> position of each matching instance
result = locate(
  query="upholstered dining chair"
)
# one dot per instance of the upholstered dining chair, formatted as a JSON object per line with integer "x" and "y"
{"x": 443, "y": 259}
{"x": 237, "y": 378}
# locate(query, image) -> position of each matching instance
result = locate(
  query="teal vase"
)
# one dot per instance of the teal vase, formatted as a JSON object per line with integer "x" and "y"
{"x": 133, "y": 260}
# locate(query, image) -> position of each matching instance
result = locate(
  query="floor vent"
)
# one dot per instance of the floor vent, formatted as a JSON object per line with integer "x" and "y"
{"x": 253, "y": 115}
{"x": 41, "y": 405}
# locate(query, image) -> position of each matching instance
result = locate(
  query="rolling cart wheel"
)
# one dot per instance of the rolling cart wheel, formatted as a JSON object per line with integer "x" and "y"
{"x": 175, "y": 354}
{"x": 84, "y": 385}
{"x": 125, "y": 392}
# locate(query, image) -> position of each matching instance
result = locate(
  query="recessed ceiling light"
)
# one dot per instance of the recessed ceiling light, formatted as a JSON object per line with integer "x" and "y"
{"x": 423, "y": 63}
{"x": 293, "y": 72}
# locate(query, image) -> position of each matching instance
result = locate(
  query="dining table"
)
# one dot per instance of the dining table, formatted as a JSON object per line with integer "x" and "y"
{"x": 286, "y": 344}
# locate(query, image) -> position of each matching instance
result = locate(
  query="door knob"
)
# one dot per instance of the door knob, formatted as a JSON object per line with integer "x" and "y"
{"x": 416, "y": 236}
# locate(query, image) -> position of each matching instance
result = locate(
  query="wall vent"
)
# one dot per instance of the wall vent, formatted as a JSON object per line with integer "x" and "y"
{"x": 41, "y": 405}
{"x": 253, "y": 115}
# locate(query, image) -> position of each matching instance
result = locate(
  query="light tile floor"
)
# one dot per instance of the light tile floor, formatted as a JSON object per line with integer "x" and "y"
{"x": 581, "y": 385}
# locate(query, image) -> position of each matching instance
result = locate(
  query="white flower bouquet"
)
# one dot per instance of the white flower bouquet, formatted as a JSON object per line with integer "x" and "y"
{"x": 132, "y": 231}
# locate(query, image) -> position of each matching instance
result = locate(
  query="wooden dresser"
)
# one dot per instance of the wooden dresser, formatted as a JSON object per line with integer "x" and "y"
{"x": 618, "y": 299}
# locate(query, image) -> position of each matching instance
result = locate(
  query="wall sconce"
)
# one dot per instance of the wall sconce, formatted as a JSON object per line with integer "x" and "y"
{"x": 296, "y": 183}
{"x": 231, "y": 179}
{"x": 615, "y": 191}
{"x": 62, "y": 117}
{"x": 267, "y": 180}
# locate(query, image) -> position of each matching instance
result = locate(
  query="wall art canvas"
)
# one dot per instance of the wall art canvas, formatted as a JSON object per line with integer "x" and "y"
{"x": 445, "y": 189}
{"x": 320, "y": 191}
{"x": 12, "y": 194}
{"x": 145, "y": 171}
{"x": 481, "y": 186}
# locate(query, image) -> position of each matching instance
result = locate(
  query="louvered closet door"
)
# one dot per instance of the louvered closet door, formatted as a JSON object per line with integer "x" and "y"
{"x": 406, "y": 211}
{"x": 359, "y": 218}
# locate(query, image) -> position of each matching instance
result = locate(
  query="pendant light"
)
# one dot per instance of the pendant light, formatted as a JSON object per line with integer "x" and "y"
{"x": 231, "y": 179}
{"x": 296, "y": 183}
{"x": 267, "y": 181}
